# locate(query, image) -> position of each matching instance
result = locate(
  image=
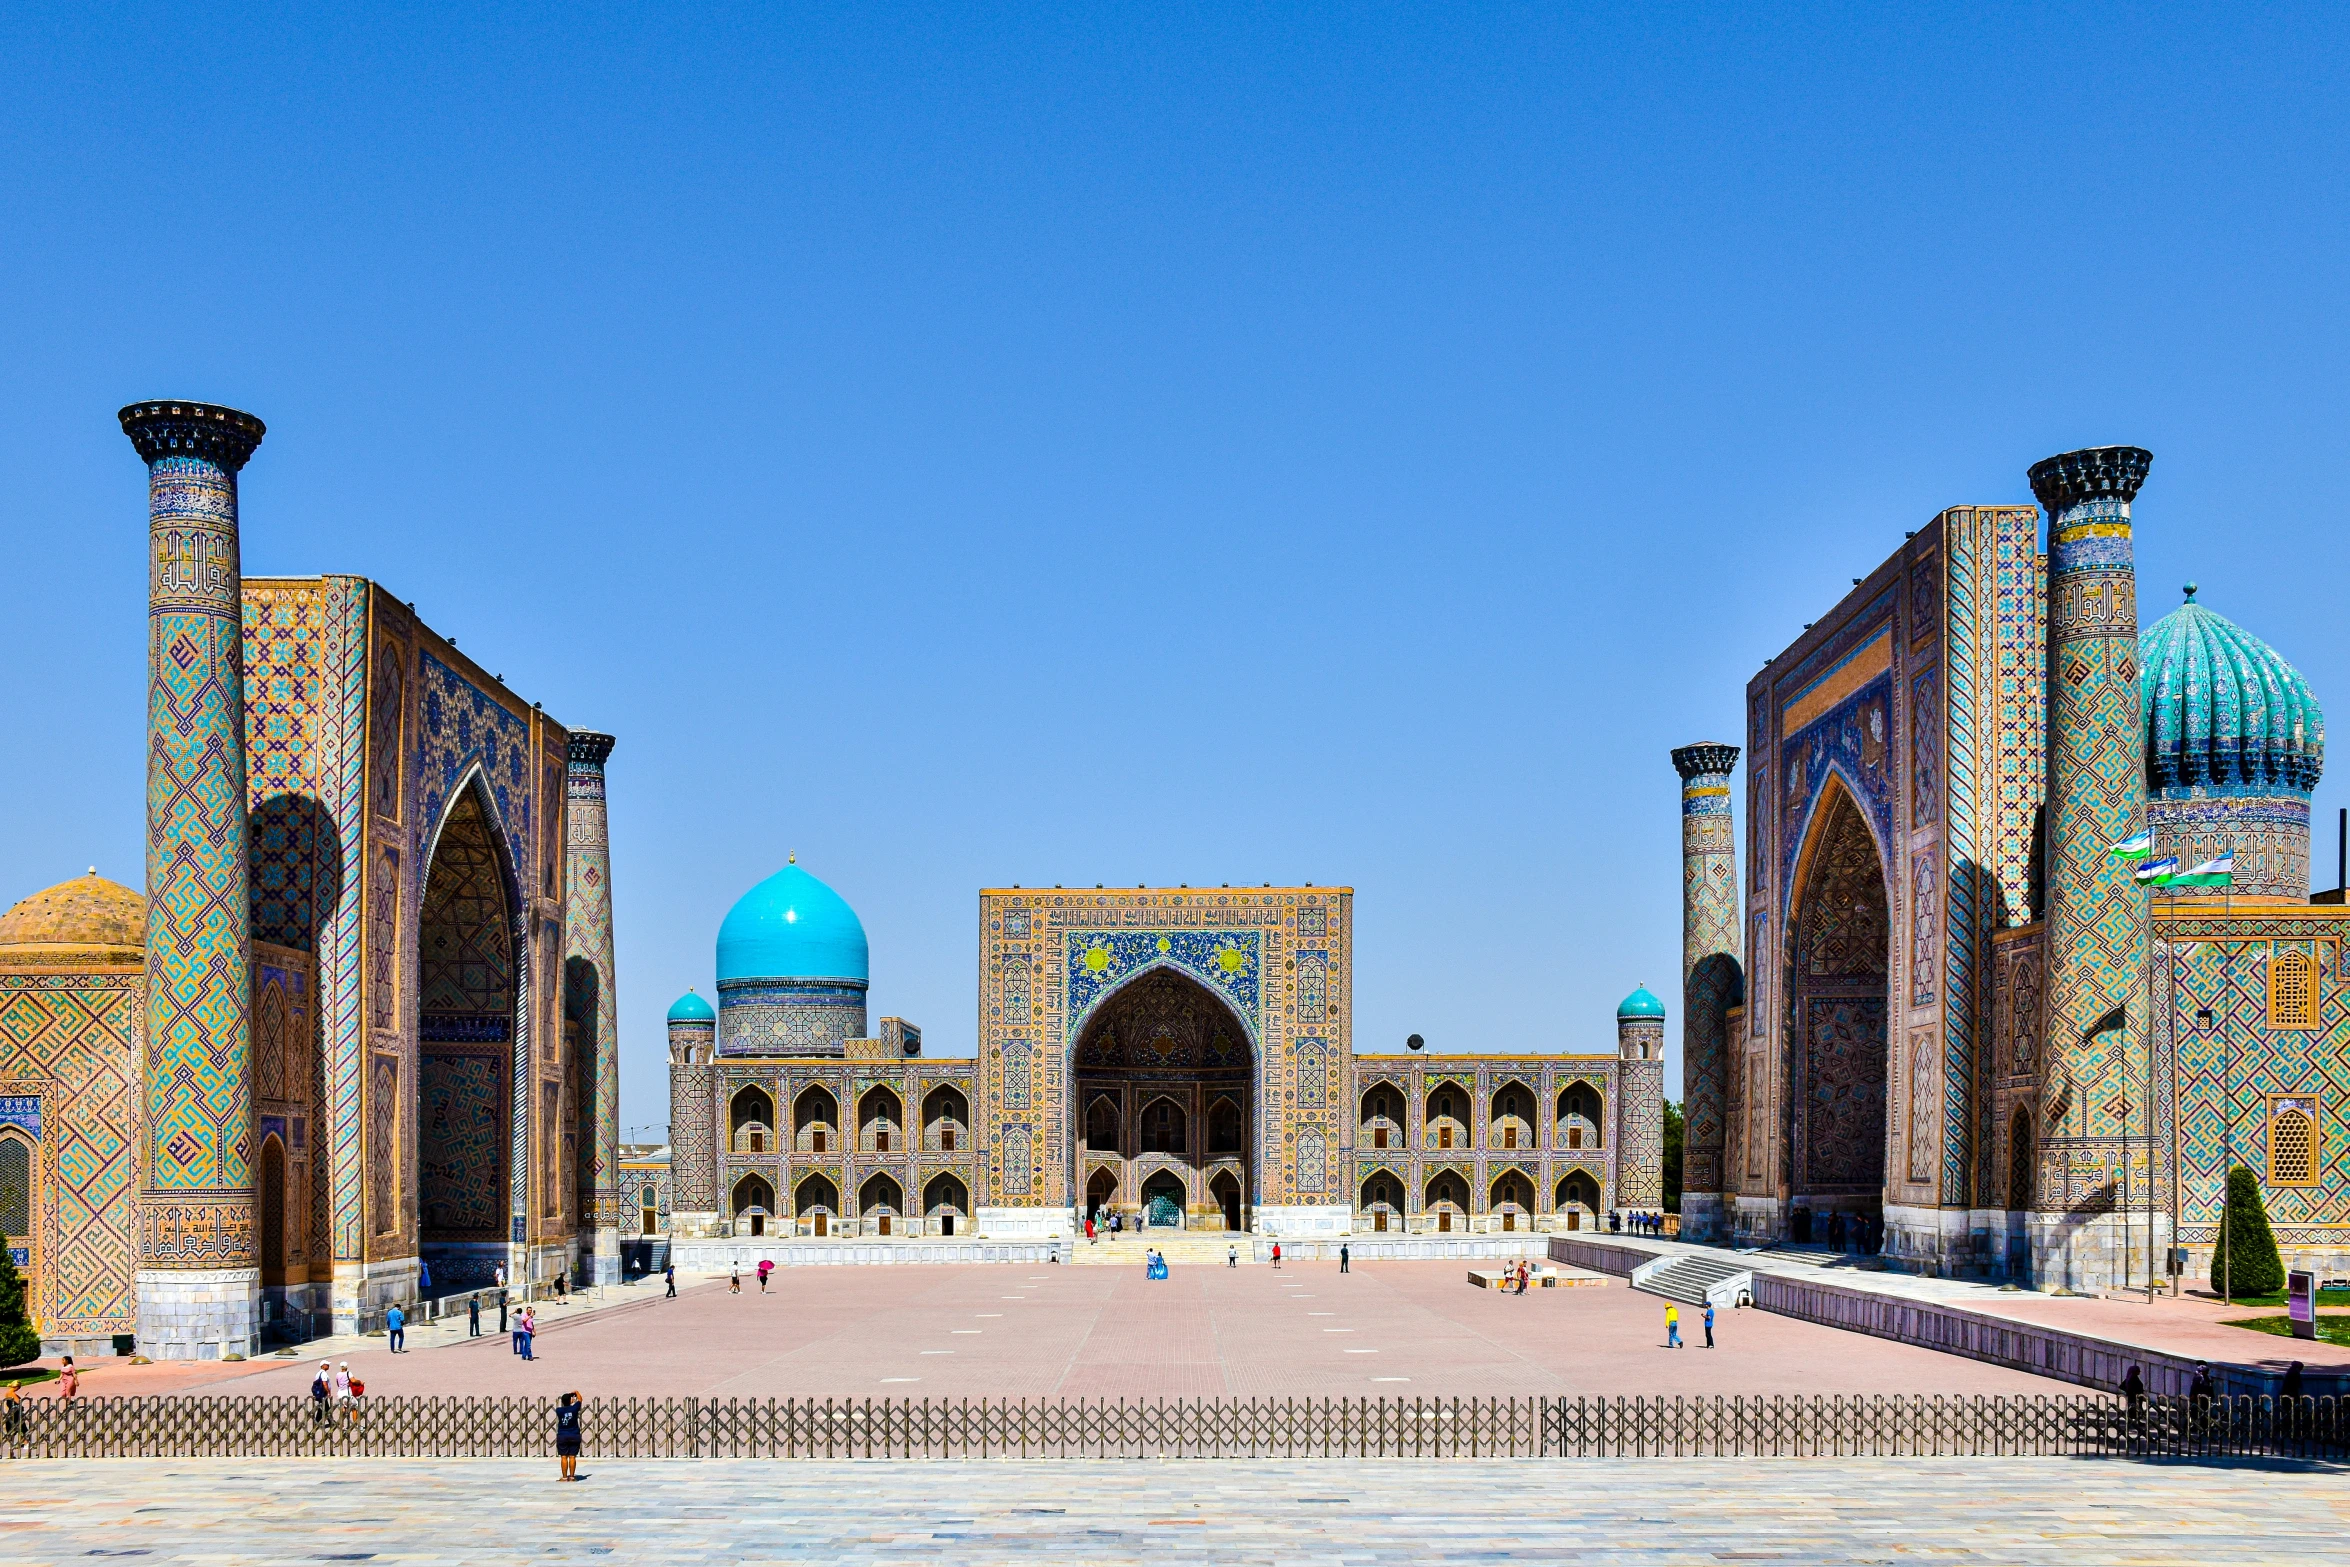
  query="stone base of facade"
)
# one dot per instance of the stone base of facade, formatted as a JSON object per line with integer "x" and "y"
{"x": 363, "y": 1290}
{"x": 83, "y": 1349}
{"x": 742, "y": 1256}
{"x": 1025, "y": 1223}
{"x": 2093, "y": 1253}
{"x": 291, "y": 1313}
{"x": 2326, "y": 1261}
{"x": 1950, "y": 1243}
{"x": 604, "y": 1266}
{"x": 199, "y": 1314}
{"x": 1705, "y": 1220}
{"x": 1756, "y": 1221}
{"x": 1304, "y": 1219}
{"x": 544, "y": 1261}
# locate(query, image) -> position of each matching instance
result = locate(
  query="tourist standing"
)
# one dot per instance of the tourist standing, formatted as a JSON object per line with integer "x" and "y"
{"x": 734, "y": 1281}
{"x": 69, "y": 1381}
{"x": 567, "y": 1433}
{"x": 343, "y": 1390}
{"x": 14, "y": 1399}
{"x": 498, "y": 1276}
{"x": 1709, "y": 1324}
{"x": 501, "y": 1305}
{"x": 396, "y": 1325}
{"x": 1276, "y": 1254}
{"x": 1232, "y": 1255}
{"x": 530, "y": 1327}
{"x": 322, "y": 1388}
{"x": 473, "y": 1316}
{"x": 1342, "y": 1256}
{"x": 1672, "y": 1326}
{"x": 766, "y": 1266}
{"x": 423, "y": 1277}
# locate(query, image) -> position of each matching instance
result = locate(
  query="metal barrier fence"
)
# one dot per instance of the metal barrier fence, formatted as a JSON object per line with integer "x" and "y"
{"x": 1822, "y": 1427}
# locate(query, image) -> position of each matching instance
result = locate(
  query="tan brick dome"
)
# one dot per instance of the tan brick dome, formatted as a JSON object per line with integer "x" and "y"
{"x": 87, "y": 917}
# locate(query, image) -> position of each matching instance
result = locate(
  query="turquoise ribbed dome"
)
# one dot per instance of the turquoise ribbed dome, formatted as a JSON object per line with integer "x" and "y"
{"x": 2224, "y": 713}
{"x": 690, "y": 1008}
{"x": 791, "y": 926}
{"x": 1640, "y": 1004}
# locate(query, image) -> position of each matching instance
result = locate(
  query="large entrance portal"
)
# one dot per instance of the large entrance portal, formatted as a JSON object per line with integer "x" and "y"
{"x": 1165, "y": 1081}
{"x": 465, "y": 1064}
{"x": 1840, "y": 927}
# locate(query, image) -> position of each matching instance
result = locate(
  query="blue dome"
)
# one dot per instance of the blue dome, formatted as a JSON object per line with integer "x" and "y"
{"x": 2224, "y": 713}
{"x": 791, "y": 926}
{"x": 1640, "y": 1004}
{"x": 690, "y": 1008}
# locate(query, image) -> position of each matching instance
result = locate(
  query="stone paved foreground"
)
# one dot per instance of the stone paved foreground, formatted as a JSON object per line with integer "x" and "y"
{"x": 2019, "y": 1512}
{"x": 1401, "y": 1329}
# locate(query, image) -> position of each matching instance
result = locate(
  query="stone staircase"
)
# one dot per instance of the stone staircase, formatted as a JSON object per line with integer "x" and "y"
{"x": 1181, "y": 1248}
{"x": 1692, "y": 1278}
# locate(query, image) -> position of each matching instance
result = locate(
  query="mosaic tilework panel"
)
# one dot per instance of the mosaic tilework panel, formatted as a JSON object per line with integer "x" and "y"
{"x": 461, "y": 726}
{"x": 2227, "y": 1070}
{"x": 1228, "y": 961}
{"x": 71, "y": 1042}
{"x": 461, "y": 1145}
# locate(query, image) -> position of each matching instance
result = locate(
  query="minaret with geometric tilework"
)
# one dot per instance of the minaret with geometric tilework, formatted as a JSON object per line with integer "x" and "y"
{"x": 199, "y": 1277}
{"x": 1710, "y": 978}
{"x": 2096, "y": 997}
{"x": 588, "y": 928}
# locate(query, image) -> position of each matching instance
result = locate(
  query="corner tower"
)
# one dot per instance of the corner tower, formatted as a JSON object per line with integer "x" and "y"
{"x": 2096, "y": 1007}
{"x": 1711, "y": 980}
{"x": 1640, "y": 1102}
{"x": 589, "y": 998}
{"x": 199, "y": 1276}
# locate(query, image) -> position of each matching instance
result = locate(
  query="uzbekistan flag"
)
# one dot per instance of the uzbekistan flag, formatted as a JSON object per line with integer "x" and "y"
{"x": 2211, "y": 873}
{"x": 2160, "y": 872}
{"x": 2131, "y": 848}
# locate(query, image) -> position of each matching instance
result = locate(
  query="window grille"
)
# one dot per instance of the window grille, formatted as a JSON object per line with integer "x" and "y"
{"x": 2292, "y": 989}
{"x": 2292, "y": 1142}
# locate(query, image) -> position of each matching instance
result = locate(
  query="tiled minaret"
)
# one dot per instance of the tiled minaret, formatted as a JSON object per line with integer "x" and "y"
{"x": 693, "y": 1112}
{"x": 588, "y": 923}
{"x": 2096, "y": 1003}
{"x": 199, "y": 1278}
{"x": 1710, "y": 978}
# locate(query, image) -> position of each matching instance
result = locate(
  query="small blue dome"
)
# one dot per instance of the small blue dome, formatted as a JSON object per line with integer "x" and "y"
{"x": 791, "y": 926}
{"x": 1640, "y": 1004}
{"x": 2224, "y": 712}
{"x": 690, "y": 1008}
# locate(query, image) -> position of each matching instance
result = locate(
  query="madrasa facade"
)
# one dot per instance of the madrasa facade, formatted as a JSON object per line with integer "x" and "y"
{"x": 355, "y": 1041}
{"x": 1938, "y": 994}
{"x": 1181, "y": 1058}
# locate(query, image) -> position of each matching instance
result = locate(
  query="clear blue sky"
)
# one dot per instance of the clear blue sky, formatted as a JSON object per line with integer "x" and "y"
{"x": 1170, "y": 444}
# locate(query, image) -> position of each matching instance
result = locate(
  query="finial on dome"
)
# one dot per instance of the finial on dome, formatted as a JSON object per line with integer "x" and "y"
{"x": 93, "y": 870}
{"x": 791, "y": 859}
{"x": 2190, "y": 592}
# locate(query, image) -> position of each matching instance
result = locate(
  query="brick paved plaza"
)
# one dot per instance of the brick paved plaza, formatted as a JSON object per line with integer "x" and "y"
{"x": 2019, "y": 1512}
{"x": 1084, "y": 1332}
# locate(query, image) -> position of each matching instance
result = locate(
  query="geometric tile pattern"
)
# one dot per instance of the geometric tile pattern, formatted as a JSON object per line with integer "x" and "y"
{"x": 74, "y": 1042}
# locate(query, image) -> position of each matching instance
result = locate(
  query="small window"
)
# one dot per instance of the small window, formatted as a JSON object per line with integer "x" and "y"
{"x": 1444, "y": 1137}
{"x": 2292, "y": 1142}
{"x": 946, "y": 1139}
{"x": 1509, "y": 1136}
{"x": 1378, "y": 1136}
{"x": 2292, "y": 989}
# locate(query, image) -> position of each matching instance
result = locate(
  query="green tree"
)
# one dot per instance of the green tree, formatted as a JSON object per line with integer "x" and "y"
{"x": 1673, "y": 1139}
{"x": 18, "y": 1342}
{"x": 2245, "y": 1261}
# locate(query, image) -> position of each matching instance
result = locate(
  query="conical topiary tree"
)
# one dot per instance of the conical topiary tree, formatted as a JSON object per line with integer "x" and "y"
{"x": 2245, "y": 1260}
{"x": 18, "y": 1342}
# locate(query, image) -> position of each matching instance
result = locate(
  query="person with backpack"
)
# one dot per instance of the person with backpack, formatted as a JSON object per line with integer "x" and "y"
{"x": 670, "y": 1273}
{"x": 322, "y": 1390}
{"x": 568, "y": 1433}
